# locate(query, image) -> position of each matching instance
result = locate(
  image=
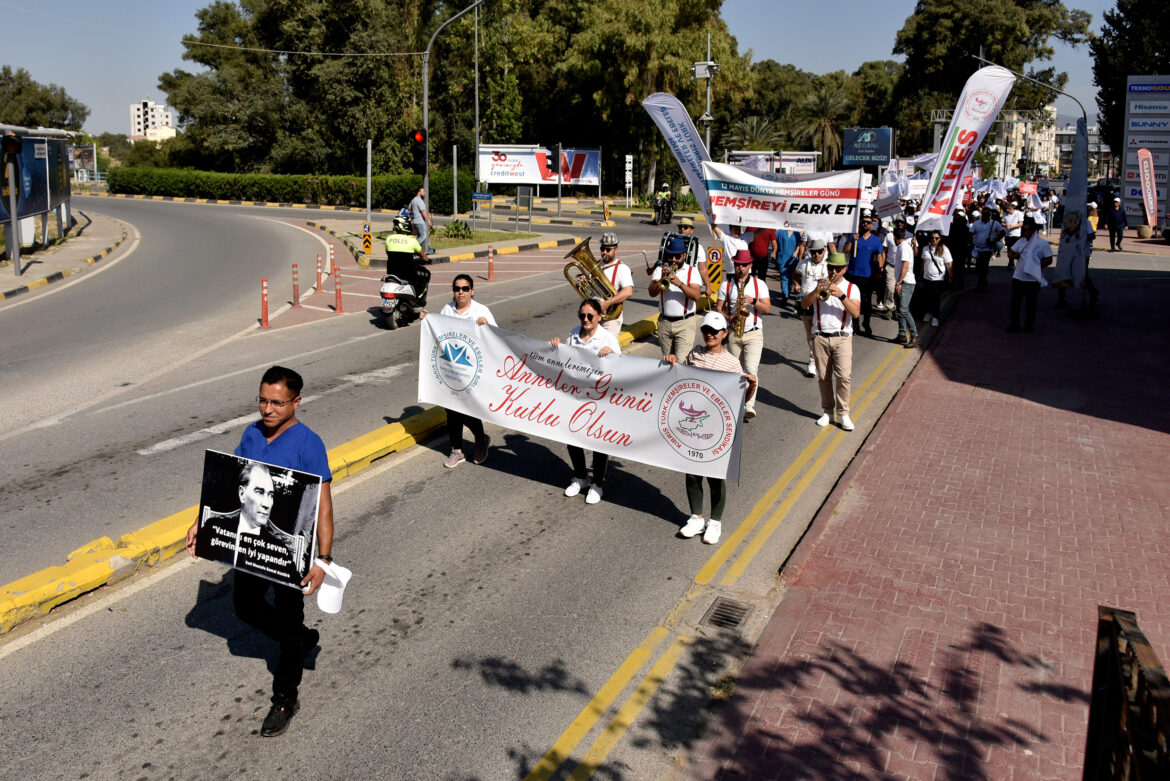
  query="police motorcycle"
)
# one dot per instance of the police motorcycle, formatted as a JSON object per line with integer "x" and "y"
{"x": 404, "y": 288}
{"x": 663, "y": 206}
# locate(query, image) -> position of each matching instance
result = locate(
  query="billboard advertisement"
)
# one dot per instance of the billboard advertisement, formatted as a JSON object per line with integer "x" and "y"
{"x": 867, "y": 146}
{"x": 534, "y": 165}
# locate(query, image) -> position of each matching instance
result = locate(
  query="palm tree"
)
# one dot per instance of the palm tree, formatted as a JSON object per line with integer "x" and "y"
{"x": 755, "y": 133}
{"x": 817, "y": 122}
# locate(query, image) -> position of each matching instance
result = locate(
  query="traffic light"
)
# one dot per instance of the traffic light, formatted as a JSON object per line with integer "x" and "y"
{"x": 418, "y": 152}
{"x": 10, "y": 143}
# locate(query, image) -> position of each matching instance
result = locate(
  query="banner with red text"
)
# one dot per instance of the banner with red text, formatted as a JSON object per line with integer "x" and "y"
{"x": 826, "y": 201}
{"x": 983, "y": 97}
{"x": 676, "y": 417}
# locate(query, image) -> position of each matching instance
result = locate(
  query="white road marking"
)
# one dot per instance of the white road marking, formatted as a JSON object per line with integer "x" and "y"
{"x": 153, "y": 576}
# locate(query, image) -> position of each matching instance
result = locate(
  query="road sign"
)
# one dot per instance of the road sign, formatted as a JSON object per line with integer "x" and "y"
{"x": 367, "y": 239}
{"x": 715, "y": 266}
{"x": 481, "y": 196}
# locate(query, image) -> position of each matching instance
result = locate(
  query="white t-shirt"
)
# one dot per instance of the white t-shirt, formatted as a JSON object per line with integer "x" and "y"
{"x": 619, "y": 275}
{"x": 672, "y": 301}
{"x": 904, "y": 253}
{"x": 828, "y": 315}
{"x": 601, "y": 338}
{"x": 810, "y": 273}
{"x": 754, "y": 288}
{"x": 731, "y": 245}
{"x": 1012, "y": 222}
{"x": 934, "y": 264}
{"x": 475, "y": 310}
{"x": 1032, "y": 252}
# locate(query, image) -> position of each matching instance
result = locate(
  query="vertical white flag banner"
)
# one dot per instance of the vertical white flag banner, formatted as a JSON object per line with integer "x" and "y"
{"x": 671, "y": 117}
{"x": 982, "y": 98}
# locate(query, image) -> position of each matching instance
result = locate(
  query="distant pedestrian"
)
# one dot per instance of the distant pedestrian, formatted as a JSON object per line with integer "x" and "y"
{"x": 986, "y": 236}
{"x": 1032, "y": 253}
{"x": 1113, "y": 217}
{"x": 790, "y": 246}
{"x": 902, "y": 262}
{"x": 421, "y": 219}
{"x": 866, "y": 261}
{"x": 937, "y": 271}
{"x": 710, "y": 355}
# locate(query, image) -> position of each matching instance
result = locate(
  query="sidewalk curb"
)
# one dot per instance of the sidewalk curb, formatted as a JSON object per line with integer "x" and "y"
{"x": 104, "y": 562}
{"x": 57, "y": 276}
{"x": 360, "y": 257}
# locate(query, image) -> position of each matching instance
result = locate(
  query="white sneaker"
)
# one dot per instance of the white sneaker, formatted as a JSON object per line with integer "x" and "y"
{"x": 695, "y": 525}
{"x": 846, "y": 423}
{"x": 823, "y": 420}
{"x": 711, "y": 535}
{"x": 594, "y": 495}
{"x": 748, "y": 413}
{"x": 934, "y": 321}
{"x": 811, "y": 371}
{"x": 576, "y": 486}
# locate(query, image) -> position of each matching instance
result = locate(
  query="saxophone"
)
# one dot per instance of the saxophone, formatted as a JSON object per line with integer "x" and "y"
{"x": 741, "y": 309}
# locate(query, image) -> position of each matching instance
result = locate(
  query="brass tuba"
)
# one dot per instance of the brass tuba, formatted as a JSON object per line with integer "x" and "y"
{"x": 587, "y": 278}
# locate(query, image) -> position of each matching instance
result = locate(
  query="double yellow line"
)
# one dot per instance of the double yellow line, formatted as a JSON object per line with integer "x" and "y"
{"x": 763, "y": 519}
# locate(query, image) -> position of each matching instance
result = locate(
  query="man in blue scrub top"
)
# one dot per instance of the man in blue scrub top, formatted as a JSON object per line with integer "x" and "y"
{"x": 279, "y": 439}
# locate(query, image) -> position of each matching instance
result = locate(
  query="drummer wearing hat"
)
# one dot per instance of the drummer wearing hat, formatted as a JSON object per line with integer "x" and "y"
{"x": 832, "y": 323}
{"x": 750, "y": 346}
{"x": 677, "y": 287}
{"x": 686, "y": 227}
{"x": 619, "y": 275}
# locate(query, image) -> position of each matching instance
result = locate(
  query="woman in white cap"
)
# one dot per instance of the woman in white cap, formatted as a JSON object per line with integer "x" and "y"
{"x": 710, "y": 355}
{"x": 588, "y": 336}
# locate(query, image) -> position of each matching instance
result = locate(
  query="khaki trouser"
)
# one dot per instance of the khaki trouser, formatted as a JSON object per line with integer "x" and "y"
{"x": 889, "y": 282}
{"x": 677, "y": 337}
{"x": 614, "y": 326}
{"x": 748, "y": 350}
{"x": 808, "y": 334}
{"x": 834, "y": 354}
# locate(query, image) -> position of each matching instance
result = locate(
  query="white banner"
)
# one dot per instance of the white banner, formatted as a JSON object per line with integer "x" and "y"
{"x": 679, "y": 418}
{"x": 672, "y": 119}
{"x": 979, "y": 105}
{"x": 823, "y": 202}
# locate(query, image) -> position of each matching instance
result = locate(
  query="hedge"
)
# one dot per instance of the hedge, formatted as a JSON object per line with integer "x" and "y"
{"x": 386, "y": 191}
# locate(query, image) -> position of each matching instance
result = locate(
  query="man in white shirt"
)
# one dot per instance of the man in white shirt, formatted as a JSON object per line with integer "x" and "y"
{"x": 902, "y": 261}
{"x": 1013, "y": 219}
{"x": 808, "y": 274}
{"x": 1032, "y": 253}
{"x": 619, "y": 275}
{"x": 833, "y": 339}
{"x": 677, "y": 287}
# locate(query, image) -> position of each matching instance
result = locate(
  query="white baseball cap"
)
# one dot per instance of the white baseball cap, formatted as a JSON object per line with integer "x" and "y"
{"x": 714, "y": 320}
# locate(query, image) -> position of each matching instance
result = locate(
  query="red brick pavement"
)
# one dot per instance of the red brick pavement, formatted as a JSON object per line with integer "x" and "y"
{"x": 940, "y": 617}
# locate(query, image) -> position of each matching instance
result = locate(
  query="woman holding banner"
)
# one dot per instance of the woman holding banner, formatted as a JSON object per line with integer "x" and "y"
{"x": 710, "y": 356}
{"x": 588, "y": 336}
{"x": 464, "y": 307}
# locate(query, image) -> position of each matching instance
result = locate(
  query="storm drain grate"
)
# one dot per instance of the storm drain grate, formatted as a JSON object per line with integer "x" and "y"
{"x": 727, "y": 614}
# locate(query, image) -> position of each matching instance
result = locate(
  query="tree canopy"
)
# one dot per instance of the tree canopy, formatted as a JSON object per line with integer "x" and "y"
{"x": 30, "y": 104}
{"x": 1134, "y": 39}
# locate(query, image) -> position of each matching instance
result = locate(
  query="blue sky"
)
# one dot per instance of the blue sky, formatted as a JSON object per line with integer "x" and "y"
{"x": 110, "y": 54}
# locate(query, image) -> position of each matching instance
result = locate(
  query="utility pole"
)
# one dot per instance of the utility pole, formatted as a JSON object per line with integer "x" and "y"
{"x": 427, "y": 92}
{"x": 706, "y": 70}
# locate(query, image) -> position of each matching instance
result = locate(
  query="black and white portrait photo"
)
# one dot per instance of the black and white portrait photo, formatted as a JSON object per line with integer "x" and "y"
{"x": 257, "y": 517}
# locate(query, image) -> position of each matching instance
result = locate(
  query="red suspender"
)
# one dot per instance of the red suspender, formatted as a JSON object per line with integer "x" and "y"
{"x": 844, "y": 311}
{"x": 613, "y": 276}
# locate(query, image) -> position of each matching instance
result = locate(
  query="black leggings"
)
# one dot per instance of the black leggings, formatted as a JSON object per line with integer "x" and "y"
{"x": 718, "y": 495}
{"x": 600, "y": 462}
{"x": 455, "y": 422}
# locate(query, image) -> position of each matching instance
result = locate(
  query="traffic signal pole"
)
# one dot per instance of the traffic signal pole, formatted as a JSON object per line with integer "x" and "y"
{"x": 427, "y": 92}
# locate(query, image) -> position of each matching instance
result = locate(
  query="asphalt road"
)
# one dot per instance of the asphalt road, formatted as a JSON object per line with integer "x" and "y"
{"x": 486, "y": 610}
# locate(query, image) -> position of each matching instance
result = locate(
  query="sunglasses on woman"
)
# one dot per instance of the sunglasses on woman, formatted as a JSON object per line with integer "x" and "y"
{"x": 461, "y": 288}
{"x": 708, "y": 331}
{"x": 586, "y": 315}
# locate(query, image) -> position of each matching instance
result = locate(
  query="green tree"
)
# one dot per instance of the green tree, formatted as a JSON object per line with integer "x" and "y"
{"x": 873, "y": 100}
{"x": 755, "y": 133}
{"x": 31, "y": 104}
{"x": 776, "y": 87}
{"x": 939, "y": 38}
{"x": 1134, "y": 39}
{"x": 818, "y": 121}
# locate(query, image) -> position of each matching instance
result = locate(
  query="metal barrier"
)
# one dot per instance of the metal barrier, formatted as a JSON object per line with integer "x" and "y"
{"x": 1129, "y": 720}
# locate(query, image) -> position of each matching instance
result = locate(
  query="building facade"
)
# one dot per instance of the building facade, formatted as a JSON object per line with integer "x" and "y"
{"x": 149, "y": 115}
{"x": 1101, "y": 164}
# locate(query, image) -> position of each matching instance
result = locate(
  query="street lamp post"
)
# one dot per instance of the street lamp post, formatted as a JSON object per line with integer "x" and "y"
{"x": 427, "y": 89}
{"x": 706, "y": 70}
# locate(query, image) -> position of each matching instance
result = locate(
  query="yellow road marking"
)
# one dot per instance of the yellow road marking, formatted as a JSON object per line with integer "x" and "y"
{"x": 752, "y": 548}
{"x": 707, "y": 573}
{"x": 596, "y": 708}
{"x": 629, "y": 712}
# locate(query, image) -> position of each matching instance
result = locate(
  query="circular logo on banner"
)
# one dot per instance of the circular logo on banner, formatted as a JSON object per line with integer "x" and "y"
{"x": 980, "y": 105}
{"x": 696, "y": 421}
{"x": 457, "y": 362}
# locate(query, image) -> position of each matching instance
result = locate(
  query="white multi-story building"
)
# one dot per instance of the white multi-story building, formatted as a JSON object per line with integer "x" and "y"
{"x": 149, "y": 115}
